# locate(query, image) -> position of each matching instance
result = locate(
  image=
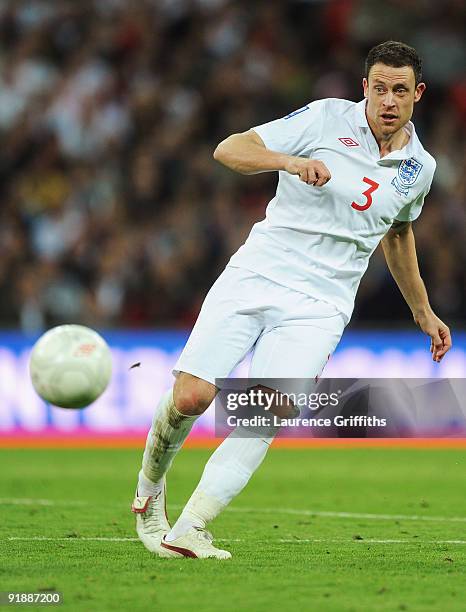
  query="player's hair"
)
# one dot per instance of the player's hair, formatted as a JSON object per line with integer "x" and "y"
{"x": 396, "y": 54}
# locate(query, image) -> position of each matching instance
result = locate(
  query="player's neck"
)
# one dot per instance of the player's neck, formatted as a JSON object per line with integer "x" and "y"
{"x": 391, "y": 142}
{"x": 394, "y": 142}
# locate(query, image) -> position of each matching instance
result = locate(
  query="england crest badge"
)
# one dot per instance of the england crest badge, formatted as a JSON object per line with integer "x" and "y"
{"x": 408, "y": 171}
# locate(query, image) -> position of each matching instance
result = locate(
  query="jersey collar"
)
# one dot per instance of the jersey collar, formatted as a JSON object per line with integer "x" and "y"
{"x": 360, "y": 114}
{"x": 406, "y": 152}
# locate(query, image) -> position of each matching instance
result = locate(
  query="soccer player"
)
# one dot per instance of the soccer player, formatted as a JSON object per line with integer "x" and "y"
{"x": 351, "y": 175}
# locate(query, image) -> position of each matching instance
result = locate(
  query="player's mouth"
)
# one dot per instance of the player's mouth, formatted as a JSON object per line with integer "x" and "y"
{"x": 389, "y": 118}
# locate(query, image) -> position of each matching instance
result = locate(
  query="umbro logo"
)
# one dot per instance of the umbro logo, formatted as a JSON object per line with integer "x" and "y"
{"x": 349, "y": 142}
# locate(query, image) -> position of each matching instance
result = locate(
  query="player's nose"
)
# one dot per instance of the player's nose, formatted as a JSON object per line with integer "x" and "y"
{"x": 389, "y": 100}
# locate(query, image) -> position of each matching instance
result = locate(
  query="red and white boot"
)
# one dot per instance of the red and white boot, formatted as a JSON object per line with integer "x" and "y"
{"x": 151, "y": 519}
{"x": 196, "y": 543}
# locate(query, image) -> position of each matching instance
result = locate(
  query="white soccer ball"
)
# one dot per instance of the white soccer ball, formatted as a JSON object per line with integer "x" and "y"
{"x": 70, "y": 366}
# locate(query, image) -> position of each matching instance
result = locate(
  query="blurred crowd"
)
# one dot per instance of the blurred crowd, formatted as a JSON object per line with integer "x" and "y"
{"x": 112, "y": 210}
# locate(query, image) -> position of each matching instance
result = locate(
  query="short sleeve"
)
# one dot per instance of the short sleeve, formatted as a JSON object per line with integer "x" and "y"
{"x": 411, "y": 211}
{"x": 296, "y": 132}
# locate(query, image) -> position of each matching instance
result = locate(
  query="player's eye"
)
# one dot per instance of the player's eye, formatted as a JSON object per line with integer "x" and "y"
{"x": 379, "y": 89}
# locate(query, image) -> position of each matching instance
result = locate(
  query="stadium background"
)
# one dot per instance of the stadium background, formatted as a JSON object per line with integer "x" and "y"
{"x": 114, "y": 215}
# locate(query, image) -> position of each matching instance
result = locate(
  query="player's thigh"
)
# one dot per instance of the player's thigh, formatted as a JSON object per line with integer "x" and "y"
{"x": 296, "y": 351}
{"x": 227, "y": 327}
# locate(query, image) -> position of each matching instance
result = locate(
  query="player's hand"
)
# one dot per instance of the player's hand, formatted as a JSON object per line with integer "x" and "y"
{"x": 440, "y": 338}
{"x": 310, "y": 171}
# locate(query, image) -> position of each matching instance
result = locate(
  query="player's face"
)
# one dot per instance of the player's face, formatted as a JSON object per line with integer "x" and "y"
{"x": 391, "y": 94}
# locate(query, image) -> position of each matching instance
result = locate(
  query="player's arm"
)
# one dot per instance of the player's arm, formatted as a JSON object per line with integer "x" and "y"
{"x": 400, "y": 253}
{"x": 246, "y": 153}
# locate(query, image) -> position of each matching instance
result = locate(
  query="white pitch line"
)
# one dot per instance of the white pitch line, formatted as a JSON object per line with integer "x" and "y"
{"x": 230, "y": 540}
{"x": 30, "y": 501}
{"x": 351, "y": 515}
{"x": 368, "y": 541}
{"x": 245, "y": 510}
{"x": 69, "y": 539}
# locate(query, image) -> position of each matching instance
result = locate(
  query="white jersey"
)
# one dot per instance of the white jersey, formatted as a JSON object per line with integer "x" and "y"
{"x": 318, "y": 240}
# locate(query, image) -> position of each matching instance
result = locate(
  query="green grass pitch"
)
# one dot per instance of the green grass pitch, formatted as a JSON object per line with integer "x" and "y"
{"x": 402, "y": 545}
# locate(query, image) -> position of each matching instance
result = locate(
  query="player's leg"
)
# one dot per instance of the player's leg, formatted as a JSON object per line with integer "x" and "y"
{"x": 223, "y": 334}
{"x": 173, "y": 419}
{"x": 291, "y": 351}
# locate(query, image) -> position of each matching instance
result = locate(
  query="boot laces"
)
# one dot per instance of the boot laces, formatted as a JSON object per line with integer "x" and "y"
{"x": 203, "y": 534}
{"x": 152, "y": 518}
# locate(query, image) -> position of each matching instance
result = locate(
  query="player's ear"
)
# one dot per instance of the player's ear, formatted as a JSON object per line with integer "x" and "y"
{"x": 420, "y": 89}
{"x": 365, "y": 86}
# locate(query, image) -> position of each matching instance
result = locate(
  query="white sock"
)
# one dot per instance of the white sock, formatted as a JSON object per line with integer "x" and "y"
{"x": 169, "y": 430}
{"x": 146, "y": 487}
{"x": 225, "y": 475}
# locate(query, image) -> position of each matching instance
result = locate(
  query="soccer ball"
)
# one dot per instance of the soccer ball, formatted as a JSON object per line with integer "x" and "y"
{"x": 70, "y": 366}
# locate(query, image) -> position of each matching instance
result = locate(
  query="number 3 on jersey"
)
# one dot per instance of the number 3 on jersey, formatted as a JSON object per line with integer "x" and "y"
{"x": 368, "y": 193}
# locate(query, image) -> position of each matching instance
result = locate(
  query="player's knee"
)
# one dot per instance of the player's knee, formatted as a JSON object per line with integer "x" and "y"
{"x": 192, "y": 395}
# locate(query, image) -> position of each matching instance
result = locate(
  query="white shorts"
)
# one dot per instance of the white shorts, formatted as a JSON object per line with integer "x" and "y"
{"x": 292, "y": 334}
